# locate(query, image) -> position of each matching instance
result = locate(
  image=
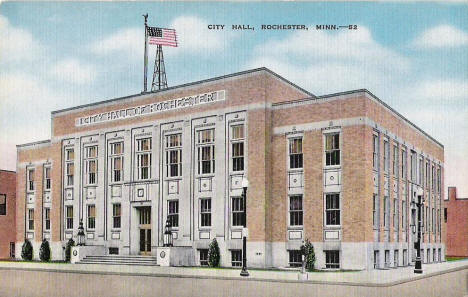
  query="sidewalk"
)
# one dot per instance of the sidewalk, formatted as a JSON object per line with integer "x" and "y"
{"x": 374, "y": 278}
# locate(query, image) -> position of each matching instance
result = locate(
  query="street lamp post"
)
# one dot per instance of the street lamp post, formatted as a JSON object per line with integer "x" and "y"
{"x": 81, "y": 235}
{"x": 417, "y": 245}
{"x": 245, "y": 185}
{"x": 168, "y": 239}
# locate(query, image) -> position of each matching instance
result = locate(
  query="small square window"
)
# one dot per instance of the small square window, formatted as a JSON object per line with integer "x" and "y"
{"x": 295, "y": 258}
{"x": 203, "y": 257}
{"x": 332, "y": 259}
{"x": 236, "y": 258}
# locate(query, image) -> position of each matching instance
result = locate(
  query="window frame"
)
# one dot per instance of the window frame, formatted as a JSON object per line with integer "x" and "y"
{"x": 90, "y": 219}
{"x": 332, "y": 255}
{"x": 293, "y": 256}
{"x": 30, "y": 219}
{"x": 31, "y": 184}
{"x": 375, "y": 214}
{"x": 68, "y": 218}
{"x": 332, "y": 210}
{"x": 205, "y": 213}
{"x": 296, "y": 157}
{"x": 144, "y": 147}
{"x": 173, "y": 213}
{"x": 3, "y": 206}
{"x": 234, "y": 261}
{"x": 207, "y": 145}
{"x": 293, "y": 212}
{"x": 91, "y": 178}
{"x": 176, "y": 148}
{"x": 386, "y": 155}
{"x": 237, "y": 144}
{"x": 116, "y": 215}
{"x": 47, "y": 218}
{"x": 69, "y": 166}
{"x": 113, "y": 157}
{"x": 375, "y": 151}
{"x": 47, "y": 178}
{"x": 386, "y": 211}
{"x": 332, "y": 151}
{"x": 395, "y": 170}
{"x": 238, "y": 213}
{"x": 205, "y": 253}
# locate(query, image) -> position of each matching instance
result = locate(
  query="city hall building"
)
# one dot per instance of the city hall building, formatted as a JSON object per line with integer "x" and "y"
{"x": 343, "y": 170}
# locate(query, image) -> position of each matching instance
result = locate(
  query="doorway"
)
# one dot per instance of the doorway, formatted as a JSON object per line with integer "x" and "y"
{"x": 145, "y": 230}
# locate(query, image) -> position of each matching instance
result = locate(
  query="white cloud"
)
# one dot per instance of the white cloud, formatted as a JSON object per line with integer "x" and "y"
{"x": 441, "y": 36}
{"x": 129, "y": 41}
{"x": 17, "y": 45}
{"x": 325, "y": 62}
{"x": 443, "y": 90}
{"x": 73, "y": 71}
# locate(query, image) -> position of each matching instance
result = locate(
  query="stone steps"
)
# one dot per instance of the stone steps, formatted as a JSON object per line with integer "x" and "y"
{"x": 120, "y": 260}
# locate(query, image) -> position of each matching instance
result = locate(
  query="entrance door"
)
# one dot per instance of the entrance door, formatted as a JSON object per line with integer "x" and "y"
{"x": 145, "y": 230}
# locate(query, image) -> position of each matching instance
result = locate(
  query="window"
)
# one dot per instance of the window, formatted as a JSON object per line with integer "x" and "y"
{"x": 445, "y": 214}
{"x": 295, "y": 258}
{"x": 413, "y": 166}
{"x": 433, "y": 255}
{"x": 375, "y": 154}
{"x": 91, "y": 216}
{"x": 386, "y": 211}
{"x": 428, "y": 175}
{"x": 116, "y": 213}
{"x": 386, "y": 156}
{"x": 395, "y": 214}
{"x": 47, "y": 218}
{"x": 295, "y": 153}
{"x": 69, "y": 166}
{"x": 236, "y": 258}
{"x": 205, "y": 212}
{"x": 421, "y": 172}
{"x": 403, "y": 215}
{"x": 427, "y": 218}
{"x": 113, "y": 251}
{"x": 203, "y": 257}
{"x": 374, "y": 211}
{"x": 395, "y": 160}
{"x": 237, "y": 211}
{"x": 395, "y": 258}
{"x": 116, "y": 161}
{"x": 439, "y": 180}
{"x": 173, "y": 213}
{"x": 332, "y": 259}
{"x": 403, "y": 164}
{"x": 295, "y": 210}
{"x": 387, "y": 259}
{"x": 332, "y": 149}
{"x": 69, "y": 217}
{"x": 30, "y": 179}
{"x": 237, "y": 147}
{"x": 31, "y": 219}
{"x": 2, "y": 204}
{"x": 332, "y": 209}
{"x": 405, "y": 257}
{"x": 47, "y": 177}
{"x": 143, "y": 156}
{"x": 438, "y": 221}
{"x": 433, "y": 178}
{"x": 12, "y": 250}
{"x": 91, "y": 164}
{"x": 174, "y": 155}
{"x": 376, "y": 259}
{"x": 206, "y": 151}
{"x": 433, "y": 221}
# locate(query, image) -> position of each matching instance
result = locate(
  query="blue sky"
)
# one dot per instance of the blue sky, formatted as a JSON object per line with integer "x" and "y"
{"x": 411, "y": 55}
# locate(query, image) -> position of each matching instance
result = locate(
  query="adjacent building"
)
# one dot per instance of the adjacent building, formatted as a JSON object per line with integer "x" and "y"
{"x": 456, "y": 217}
{"x": 342, "y": 170}
{"x": 7, "y": 214}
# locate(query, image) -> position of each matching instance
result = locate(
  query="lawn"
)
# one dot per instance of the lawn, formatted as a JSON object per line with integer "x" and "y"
{"x": 455, "y": 258}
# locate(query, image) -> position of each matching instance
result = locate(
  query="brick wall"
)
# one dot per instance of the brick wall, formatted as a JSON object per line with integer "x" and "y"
{"x": 7, "y": 221}
{"x": 457, "y": 224}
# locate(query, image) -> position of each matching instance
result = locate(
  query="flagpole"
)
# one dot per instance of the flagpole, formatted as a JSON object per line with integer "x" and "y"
{"x": 146, "y": 54}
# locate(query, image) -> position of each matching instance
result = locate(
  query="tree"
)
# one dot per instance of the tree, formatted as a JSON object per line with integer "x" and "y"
{"x": 308, "y": 250}
{"x": 44, "y": 252}
{"x": 70, "y": 243}
{"x": 27, "y": 250}
{"x": 213, "y": 254}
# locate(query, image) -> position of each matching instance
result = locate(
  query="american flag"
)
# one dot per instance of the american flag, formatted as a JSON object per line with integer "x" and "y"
{"x": 161, "y": 36}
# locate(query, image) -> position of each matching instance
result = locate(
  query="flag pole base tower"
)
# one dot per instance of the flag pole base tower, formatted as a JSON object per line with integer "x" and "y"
{"x": 159, "y": 74}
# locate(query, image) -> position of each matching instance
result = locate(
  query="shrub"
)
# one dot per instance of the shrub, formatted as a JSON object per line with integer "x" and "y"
{"x": 44, "y": 252}
{"x": 70, "y": 243}
{"x": 213, "y": 254}
{"x": 27, "y": 250}
{"x": 308, "y": 249}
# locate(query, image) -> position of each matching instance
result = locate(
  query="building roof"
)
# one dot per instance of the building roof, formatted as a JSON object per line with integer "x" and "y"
{"x": 187, "y": 85}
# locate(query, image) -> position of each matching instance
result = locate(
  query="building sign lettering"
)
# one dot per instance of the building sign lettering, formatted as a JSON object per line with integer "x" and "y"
{"x": 172, "y": 104}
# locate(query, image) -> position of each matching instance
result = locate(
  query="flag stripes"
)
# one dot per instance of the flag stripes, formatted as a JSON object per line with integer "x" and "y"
{"x": 162, "y": 36}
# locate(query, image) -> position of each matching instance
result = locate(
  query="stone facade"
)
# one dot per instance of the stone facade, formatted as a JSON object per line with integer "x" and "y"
{"x": 456, "y": 217}
{"x": 7, "y": 214}
{"x": 308, "y": 159}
